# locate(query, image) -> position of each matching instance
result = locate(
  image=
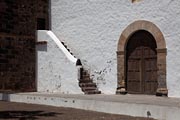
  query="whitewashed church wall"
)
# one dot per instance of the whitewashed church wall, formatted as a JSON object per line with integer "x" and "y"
{"x": 91, "y": 28}
{"x": 55, "y": 73}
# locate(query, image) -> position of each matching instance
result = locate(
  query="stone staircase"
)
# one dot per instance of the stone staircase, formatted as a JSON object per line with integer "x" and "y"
{"x": 86, "y": 83}
{"x": 67, "y": 48}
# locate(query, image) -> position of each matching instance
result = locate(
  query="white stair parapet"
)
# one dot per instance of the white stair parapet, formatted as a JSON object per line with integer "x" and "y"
{"x": 61, "y": 46}
{"x": 57, "y": 68}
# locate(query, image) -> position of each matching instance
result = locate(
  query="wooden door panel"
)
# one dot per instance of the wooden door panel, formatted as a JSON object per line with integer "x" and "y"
{"x": 150, "y": 76}
{"x": 141, "y": 59}
{"x": 134, "y": 77}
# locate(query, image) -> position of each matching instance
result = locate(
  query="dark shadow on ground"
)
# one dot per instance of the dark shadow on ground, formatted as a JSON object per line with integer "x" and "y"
{"x": 26, "y": 115}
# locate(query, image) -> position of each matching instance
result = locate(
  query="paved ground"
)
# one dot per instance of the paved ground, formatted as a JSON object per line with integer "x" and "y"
{"x": 129, "y": 98}
{"x": 21, "y": 111}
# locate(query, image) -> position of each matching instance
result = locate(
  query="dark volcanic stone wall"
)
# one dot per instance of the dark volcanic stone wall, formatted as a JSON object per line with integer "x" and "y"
{"x": 18, "y": 24}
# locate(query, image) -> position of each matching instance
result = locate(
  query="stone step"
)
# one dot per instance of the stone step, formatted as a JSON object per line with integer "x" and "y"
{"x": 93, "y": 92}
{"x": 87, "y": 85}
{"x": 62, "y": 42}
{"x": 65, "y": 46}
{"x": 88, "y": 89}
{"x": 85, "y": 81}
{"x": 84, "y": 73}
{"x": 86, "y": 76}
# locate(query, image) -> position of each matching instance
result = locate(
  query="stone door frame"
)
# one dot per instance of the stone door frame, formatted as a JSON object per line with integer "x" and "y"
{"x": 161, "y": 55}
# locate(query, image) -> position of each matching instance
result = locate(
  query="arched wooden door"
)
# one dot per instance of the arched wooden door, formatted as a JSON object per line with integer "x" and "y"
{"x": 141, "y": 63}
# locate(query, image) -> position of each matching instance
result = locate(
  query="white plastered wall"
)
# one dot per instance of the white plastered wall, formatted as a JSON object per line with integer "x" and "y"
{"x": 92, "y": 28}
{"x": 55, "y": 72}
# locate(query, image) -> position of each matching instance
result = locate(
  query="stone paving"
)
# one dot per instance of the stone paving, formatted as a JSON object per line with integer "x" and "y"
{"x": 22, "y": 111}
{"x": 129, "y": 98}
{"x": 161, "y": 108}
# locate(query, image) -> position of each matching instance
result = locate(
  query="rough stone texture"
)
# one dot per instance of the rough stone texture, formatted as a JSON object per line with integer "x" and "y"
{"x": 55, "y": 72}
{"x": 17, "y": 43}
{"x": 17, "y": 63}
{"x": 92, "y": 29}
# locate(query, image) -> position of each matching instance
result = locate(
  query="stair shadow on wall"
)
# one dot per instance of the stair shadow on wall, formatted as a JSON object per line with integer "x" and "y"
{"x": 26, "y": 115}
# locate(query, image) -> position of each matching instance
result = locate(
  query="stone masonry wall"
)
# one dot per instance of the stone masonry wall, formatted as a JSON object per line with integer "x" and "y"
{"x": 17, "y": 44}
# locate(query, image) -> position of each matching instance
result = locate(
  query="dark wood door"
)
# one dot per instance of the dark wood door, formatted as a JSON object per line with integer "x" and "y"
{"x": 141, "y": 65}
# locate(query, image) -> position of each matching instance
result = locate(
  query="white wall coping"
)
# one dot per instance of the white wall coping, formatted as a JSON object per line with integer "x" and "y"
{"x": 61, "y": 46}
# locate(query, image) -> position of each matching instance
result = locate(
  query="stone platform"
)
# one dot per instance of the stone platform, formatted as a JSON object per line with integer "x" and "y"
{"x": 161, "y": 108}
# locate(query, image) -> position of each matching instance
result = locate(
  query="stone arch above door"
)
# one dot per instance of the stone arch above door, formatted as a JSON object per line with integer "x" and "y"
{"x": 161, "y": 55}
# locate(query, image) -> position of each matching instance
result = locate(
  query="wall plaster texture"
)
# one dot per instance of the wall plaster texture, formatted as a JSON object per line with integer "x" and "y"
{"x": 91, "y": 28}
{"x": 55, "y": 73}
